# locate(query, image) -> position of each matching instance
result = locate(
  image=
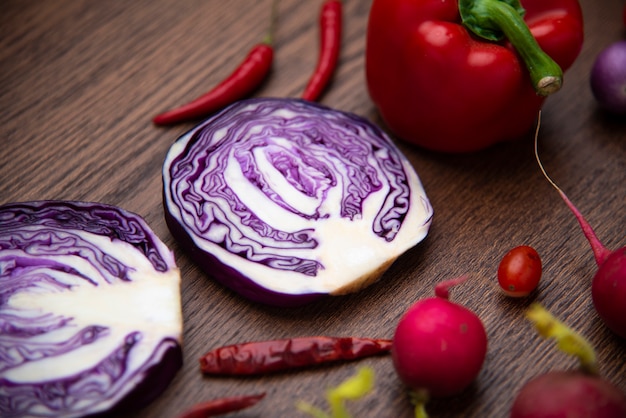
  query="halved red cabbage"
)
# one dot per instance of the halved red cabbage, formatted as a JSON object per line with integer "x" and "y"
{"x": 285, "y": 200}
{"x": 90, "y": 311}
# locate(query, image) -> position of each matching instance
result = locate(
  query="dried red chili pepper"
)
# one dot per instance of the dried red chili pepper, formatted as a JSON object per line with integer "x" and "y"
{"x": 275, "y": 355}
{"x": 221, "y": 406}
{"x": 330, "y": 43}
{"x": 246, "y": 77}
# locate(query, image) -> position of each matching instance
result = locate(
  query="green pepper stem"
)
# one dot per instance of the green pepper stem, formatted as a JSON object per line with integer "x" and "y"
{"x": 487, "y": 17}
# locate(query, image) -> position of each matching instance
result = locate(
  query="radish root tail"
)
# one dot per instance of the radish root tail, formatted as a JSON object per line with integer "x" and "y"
{"x": 600, "y": 252}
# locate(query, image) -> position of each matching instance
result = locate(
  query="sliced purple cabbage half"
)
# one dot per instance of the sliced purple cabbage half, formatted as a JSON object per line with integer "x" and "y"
{"x": 284, "y": 200}
{"x": 90, "y": 310}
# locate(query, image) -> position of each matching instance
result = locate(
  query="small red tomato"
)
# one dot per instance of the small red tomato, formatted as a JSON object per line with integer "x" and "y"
{"x": 519, "y": 271}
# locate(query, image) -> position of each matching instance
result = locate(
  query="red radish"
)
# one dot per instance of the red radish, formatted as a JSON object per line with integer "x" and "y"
{"x": 519, "y": 271}
{"x": 569, "y": 394}
{"x": 562, "y": 394}
{"x": 439, "y": 347}
{"x": 608, "y": 288}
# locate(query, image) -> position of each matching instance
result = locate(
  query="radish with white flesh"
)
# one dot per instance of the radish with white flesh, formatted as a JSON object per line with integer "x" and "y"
{"x": 567, "y": 393}
{"x": 90, "y": 312}
{"x": 439, "y": 347}
{"x": 608, "y": 288}
{"x": 285, "y": 200}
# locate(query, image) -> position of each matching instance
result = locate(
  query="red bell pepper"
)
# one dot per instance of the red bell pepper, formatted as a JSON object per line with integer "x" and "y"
{"x": 459, "y": 86}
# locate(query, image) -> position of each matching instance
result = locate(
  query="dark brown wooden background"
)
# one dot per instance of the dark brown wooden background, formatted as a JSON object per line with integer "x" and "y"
{"x": 80, "y": 81}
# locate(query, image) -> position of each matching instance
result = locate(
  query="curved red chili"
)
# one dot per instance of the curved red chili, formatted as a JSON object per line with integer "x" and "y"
{"x": 260, "y": 357}
{"x": 330, "y": 43}
{"x": 246, "y": 77}
{"x": 221, "y": 406}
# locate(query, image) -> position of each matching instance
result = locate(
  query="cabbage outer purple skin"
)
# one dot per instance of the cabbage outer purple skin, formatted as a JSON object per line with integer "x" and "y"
{"x": 285, "y": 200}
{"x": 90, "y": 312}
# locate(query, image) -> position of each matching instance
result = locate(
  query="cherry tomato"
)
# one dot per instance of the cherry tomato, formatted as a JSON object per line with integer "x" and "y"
{"x": 519, "y": 271}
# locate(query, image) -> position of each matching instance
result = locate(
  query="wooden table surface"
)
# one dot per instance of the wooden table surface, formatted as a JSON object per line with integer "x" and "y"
{"x": 80, "y": 81}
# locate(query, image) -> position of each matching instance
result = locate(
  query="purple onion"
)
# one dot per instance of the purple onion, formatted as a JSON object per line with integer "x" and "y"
{"x": 608, "y": 78}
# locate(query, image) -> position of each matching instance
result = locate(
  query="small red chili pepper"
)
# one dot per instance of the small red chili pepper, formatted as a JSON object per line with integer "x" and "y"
{"x": 276, "y": 355}
{"x": 330, "y": 43}
{"x": 246, "y": 77}
{"x": 221, "y": 406}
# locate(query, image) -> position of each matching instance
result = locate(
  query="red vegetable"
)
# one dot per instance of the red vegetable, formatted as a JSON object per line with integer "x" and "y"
{"x": 562, "y": 394}
{"x": 439, "y": 347}
{"x": 567, "y": 393}
{"x": 440, "y": 86}
{"x": 519, "y": 271}
{"x": 246, "y": 77}
{"x": 608, "y": 288}
{"x": 330, "y": 43}
{"x": 276, "y": 355}
{"x": 221, "y": 406}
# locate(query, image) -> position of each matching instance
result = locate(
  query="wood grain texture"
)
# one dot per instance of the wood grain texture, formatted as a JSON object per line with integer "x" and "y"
{"x": 80, "y": 81}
